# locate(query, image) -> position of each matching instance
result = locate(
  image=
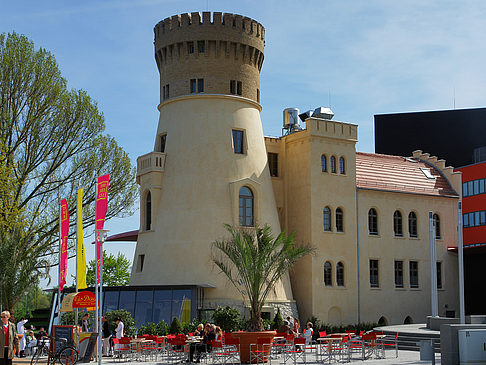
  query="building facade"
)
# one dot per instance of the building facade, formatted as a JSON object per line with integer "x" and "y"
{"x": 366, "y": 214}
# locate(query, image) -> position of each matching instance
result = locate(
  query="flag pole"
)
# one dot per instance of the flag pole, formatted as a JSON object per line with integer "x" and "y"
{"x": 77, "y": 257}
{"x": 59, "y": 271}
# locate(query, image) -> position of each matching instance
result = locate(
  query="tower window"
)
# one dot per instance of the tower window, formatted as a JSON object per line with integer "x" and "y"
{"x": 238, "y": 87}
{"x": 140, "y": 261}
{"x": 235, "y": 87}
{"x": 166, "y": 92}
{"x": 237, "y": 141}
{"x": 397, "y": 224}
{"x": 197, "y": 86}
{"x": 246, "y": 207}
{"x": 258, "y": 95}
{"x": 327, "y": 274}
{"x": 148, "y": 212}
{"x": 201, "y": 45}
{"x": 339, "y": 220}
{"x": 190, "y": 47}
{"x": 372, "y": 222}
{"x": 273, "y": 164}
{"x": 162, "y": 140}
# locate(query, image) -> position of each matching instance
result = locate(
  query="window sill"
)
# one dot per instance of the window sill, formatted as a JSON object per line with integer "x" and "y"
{"x": 146, "y": 231}
{"x": 399, "y": 237}
{"x": 400, "y": 289}
{"x": 375, "y": 288}
{"x": 374, "y": 235}
{"x": 413, "y": 238}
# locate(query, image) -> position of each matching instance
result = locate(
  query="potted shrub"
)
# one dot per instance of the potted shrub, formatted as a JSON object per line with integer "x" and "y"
{"x": 253, "y": 257}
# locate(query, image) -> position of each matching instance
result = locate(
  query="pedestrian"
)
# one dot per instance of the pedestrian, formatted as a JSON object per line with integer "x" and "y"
{"x": 119, "y": 330}
{"x": 83, "y": 323}
{"x": 106, "y": 336}
{"x": 9, "y": 339}
{"x": 23, "y": 339}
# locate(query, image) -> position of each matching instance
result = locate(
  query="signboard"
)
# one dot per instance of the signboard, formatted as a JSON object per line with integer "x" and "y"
{"x": 84, "y": 299}
{"x": 59, "y": 332}
{"x": 90, "y": 347}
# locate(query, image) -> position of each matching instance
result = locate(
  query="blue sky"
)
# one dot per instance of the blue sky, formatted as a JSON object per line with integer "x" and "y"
{"x": 359, "y": 57}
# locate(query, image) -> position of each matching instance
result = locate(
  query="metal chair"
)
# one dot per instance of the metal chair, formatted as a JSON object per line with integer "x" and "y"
{"x": 297, "y": 351}
{"x": 260, "y": 351}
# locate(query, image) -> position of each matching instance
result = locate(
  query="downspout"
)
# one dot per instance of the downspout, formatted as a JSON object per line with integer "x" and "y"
{"x": 357, "y": 255}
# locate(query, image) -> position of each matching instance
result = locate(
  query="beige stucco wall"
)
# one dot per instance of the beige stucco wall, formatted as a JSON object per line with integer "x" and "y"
{"x": 198, "y": 192}
{"x": 395, "y": 304}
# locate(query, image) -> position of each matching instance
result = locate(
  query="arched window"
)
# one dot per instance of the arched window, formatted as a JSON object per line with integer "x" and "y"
{"x": 327, "y": 274}
{"x": 246, "y": 207}
{"x": 383, "y": 321}
{"x": 323, "y": 163}
{"x": 397, "y": 223}
{"x": 437, "y": 226}
{"x": 372, "y": 222}
{"x": 162, "y": 140}
{"x": 148, "y": 212}
{"x": 412, "y": 224}
{"x": 408, "y": 320}
{"x": 333, "y": 164}
{"x": 340, "y": 274}
{"x": 326, "y": 219}
{"x": 342, "y": 165}
{"x": 339, "y": 220}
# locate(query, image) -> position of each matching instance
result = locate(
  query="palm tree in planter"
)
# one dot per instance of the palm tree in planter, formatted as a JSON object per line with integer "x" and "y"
{"x": 257, "y": 260}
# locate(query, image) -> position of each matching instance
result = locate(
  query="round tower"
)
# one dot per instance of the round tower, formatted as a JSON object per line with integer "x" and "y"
{"x": 209, "y": 162}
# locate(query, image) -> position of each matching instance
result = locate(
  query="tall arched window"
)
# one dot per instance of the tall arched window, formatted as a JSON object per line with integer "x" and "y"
{"x": 437, "y": 226}
{"x": 333, "y": 164}
{"x": 342, "y": 165}
{"x": 246, "y": 207}
{"x": 397, "y": 223}
{"x": 326, "y": 219}
{"x": 412, "y": 224}
{"x": 148, "y": 212}
{"x": 339, "y": 220}
{"x": 340, "y": 274}
{"x": 327, "y": 274}
{"x": 372, "y": 222}
{"x": 323, "y": 163}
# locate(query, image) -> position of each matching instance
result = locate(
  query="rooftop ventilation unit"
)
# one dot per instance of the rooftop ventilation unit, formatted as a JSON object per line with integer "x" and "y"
{"x": 323, "y": 113}
{"x": 291, "y": 122}
{"x": 306, "y": 115}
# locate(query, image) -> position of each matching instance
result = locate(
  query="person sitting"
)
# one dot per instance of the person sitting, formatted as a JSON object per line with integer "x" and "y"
{"x": 285, "y": 328}
{"x": 42, "y": 334}
{"x": 199, "y": 329}
{"x": 308, "y": 333}
{"x": 203, "y": 346}
{"x": 31, "y": 343}
{"x": 218, "y": 334}
{"x": 296, "y": 326}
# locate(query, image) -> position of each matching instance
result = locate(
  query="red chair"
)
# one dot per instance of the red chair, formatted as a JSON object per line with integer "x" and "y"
{"x": 259, "y": 352}
{"x": 232, "y": 349}
{"x": 296, "y": 351}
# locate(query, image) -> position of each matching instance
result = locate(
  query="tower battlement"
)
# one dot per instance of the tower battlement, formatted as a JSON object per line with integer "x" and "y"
{"x": 219, "y": 20}
{"x": 217, "y": 53}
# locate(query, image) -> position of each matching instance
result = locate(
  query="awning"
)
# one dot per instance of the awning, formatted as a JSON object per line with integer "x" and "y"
{"x": 67, "y": 302}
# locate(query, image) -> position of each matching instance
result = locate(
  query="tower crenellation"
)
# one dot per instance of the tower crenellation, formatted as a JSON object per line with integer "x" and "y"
{"x": 216, "y": 53}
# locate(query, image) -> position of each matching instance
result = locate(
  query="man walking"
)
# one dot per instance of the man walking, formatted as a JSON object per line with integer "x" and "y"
{"x": 9, "y": 340}
{"x": 106, "y": 336}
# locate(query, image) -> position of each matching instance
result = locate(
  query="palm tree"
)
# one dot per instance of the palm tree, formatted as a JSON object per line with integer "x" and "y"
{"x": 254, "y": 261}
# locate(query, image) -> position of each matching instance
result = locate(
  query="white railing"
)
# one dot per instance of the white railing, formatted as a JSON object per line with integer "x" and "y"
{"x": 153, "y": 161}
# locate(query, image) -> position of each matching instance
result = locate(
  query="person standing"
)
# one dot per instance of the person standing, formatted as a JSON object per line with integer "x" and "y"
{"x": 21, "y": 331}
{"x": 106, "y": 336}
{"x": 119, "y": 330}
{"x": 9, "y": 339}
{"x": 84, "y": 323}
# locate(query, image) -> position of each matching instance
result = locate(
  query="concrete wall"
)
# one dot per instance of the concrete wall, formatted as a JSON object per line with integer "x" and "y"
{"x": 449, "y": 341}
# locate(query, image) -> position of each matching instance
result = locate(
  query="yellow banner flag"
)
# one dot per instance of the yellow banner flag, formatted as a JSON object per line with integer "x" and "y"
{"x": 81, "y": 274}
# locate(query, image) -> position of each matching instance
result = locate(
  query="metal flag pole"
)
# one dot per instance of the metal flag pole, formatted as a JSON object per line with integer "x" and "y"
{"x": 100, "y": 233}
{"x": 96, "y": 286}
{"x": 433, "y": 267}
{"x": 76, "y": 312}
{"x": 59, "y": 269}
{"x": 460, "y": 252}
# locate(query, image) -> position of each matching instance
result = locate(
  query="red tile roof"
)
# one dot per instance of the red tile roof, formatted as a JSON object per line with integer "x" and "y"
{"x": 394, "y": 173}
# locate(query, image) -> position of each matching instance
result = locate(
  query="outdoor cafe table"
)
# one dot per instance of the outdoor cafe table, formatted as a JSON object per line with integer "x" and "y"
{"x": 137, "y": 343}
{"x": 331, "y": 341}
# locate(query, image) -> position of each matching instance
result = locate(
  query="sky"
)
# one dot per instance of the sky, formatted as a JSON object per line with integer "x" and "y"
{"x": 360, "y": 58}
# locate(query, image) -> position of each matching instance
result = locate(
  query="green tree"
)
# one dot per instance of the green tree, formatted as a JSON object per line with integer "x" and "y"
{"x": 227, "y": 318}
{"x": 51, "y": 144}
{"x": 254, "y": 262}
{"x": 126, "y": 317}
{"x": 175, "y": 327}
{"x": 116, "y": 270}
{"x": 277, "y": 320}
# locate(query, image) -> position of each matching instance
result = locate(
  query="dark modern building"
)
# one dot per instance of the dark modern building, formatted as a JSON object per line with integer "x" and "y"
{"x": 459, "y": 137}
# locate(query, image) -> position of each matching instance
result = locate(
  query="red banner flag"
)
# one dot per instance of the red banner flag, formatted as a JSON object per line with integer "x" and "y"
{"x": 63, "y": 258}
{"x": 101, "y": 207}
